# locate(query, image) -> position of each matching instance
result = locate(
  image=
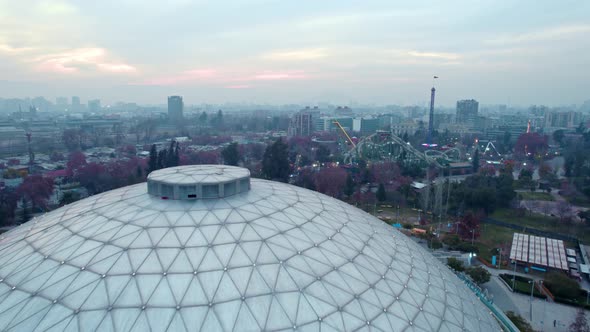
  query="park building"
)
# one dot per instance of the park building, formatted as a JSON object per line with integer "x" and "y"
{"x": 207, "y": 248}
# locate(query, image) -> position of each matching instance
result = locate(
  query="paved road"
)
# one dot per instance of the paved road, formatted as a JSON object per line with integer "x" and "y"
{"x": 544, "y": 312}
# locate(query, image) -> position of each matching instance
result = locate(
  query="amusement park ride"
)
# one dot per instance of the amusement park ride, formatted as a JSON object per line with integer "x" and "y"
{"x": 386, "y": 145}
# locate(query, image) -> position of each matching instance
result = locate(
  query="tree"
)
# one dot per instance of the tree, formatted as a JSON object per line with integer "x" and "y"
{"x": 468, "y": 227}
{"x": 69, "y": 197}
{"x": 36, "y": 189}
{"x": 231, "y": 154}
{"x": 562, "y": 286}
{"x": 275, "y": 162}
{"x": 71, "y": 139}
{"x": 381, "y": 194}
{"x": 558, "y": 136}
{"x": 330, "y": 181}
{"x": 8, "y": 202}
{"x": 522, "y": 324}
{"x": 580, "y": 324}
{"x": 153, "y": 161}
{"x": 162, "y": 158}
{"x": 170, "y": 158}
{"x": 506, "y": 140}
{"x": 349, "y": 186}
{"x": 455, "y": 264}
{"x": 479, "y": 275}
{"x": 475, "y": 161}
{"x": 322, "y": 154}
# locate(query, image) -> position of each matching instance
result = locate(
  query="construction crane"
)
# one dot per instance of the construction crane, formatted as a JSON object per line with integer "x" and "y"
{"x": 343, "y": 131}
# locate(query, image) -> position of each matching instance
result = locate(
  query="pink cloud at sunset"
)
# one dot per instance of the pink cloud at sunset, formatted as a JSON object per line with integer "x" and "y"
{"x": 81, "y": 60}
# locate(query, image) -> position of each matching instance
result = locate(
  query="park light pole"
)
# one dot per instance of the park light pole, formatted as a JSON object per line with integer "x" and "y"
{"x": 500, "y": 259}
{"x": 472, "y": 236}
{"x": 532, "y": 282}
{"x": 514, "y": 275}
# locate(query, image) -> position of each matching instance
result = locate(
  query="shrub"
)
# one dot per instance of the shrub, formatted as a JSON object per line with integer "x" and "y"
{"x": 451, "y": 240}
{"x": 479, "y": 275}
{"x": 522, "y": 324}
{"x": 435, "y": 244}
{"x": 561, "y": 285}
{"x": 455, "y": 264}
{"x": 467, "y": 247}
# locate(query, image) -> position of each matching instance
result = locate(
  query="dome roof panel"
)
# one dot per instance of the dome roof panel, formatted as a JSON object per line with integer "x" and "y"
{"x": 271, "y": 257}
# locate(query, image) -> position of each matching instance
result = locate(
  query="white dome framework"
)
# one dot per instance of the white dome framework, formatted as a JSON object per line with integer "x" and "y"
{"x": 274, "y": 257}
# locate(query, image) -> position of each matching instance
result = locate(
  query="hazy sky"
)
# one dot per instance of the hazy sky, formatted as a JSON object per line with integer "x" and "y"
{"x": 517, "y": 52}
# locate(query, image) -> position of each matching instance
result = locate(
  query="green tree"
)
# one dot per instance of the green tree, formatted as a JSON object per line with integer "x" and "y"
{"x": 522, "y": 324}
{"x": 475, "y": 161}
{"x": 349, "y": 186}
{"x": 479, "y": 275}
{"x": 560, "y": 285}
{"x": 506, "y": 141}
{"x": 322, "y": 154}
{"x": 69, "y": 197}
{"x": 275, "y": 162}
{"x": 381, "y": 194}
{"x": 231, "y": 154}
{"x": 558, "y": 136}
{"x": 455, "y": 264}
{"x": 153, "y": 162}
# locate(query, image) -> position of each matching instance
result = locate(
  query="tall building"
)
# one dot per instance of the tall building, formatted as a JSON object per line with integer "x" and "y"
{"x": 94, "y": 105}
{"x": 175, "y": 108}
{"x": 562, "y": 119}
{"x": 467, "y": 111}
{"x": 76, "y": 106}
{"x": 207, "y": 248}
{"x": 304, "y": 122}
{"x": 369, "y": 126}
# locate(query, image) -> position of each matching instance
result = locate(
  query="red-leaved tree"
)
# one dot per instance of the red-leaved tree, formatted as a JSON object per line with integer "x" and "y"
{"x": 36, "y": 190}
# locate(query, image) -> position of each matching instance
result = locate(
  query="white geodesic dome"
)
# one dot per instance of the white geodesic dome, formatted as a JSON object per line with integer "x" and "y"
{"x": 251, "y": 255}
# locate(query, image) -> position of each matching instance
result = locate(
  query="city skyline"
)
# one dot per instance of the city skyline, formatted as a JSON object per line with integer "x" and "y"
{"x": 516, "y": 54}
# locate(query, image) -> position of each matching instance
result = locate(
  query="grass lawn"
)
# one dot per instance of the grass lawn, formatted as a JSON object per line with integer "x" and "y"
{"x": 521, "y": 285}
{"x": 535, "y": 196}
{"x": 543, "y": 223}
{"x": 492, "y": 237}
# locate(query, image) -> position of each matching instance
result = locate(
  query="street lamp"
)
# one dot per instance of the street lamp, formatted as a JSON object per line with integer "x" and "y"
{"x": 514, "y": 275}
{"x": 532, "y": 282}
{"x": 472, "y": 236}
{"x": 500, "y": 259}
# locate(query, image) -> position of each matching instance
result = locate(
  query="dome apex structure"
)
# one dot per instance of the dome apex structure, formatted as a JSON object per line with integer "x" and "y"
{"x": 271, "y": 257}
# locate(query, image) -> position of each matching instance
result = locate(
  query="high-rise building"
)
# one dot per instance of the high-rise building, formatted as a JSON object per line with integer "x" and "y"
{"x": 304, "y": 122}
{"x": 175, "y": 108}
{"x": 94, "y": 105}
{"x": 76, "y": 106}
{"x": 369, "y": 126}
{"x": 467, "y": 111}
{"x": 562, "y": 119}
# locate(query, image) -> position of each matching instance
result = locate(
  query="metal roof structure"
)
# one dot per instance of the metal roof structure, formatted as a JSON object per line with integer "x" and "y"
{"x": 272, "y": 257}
{"x": 540, "y": 251}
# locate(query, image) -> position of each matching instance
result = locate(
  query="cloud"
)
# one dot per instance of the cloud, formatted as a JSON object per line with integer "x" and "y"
{"x": 81, "y": 60}
{"x": 11, "y": 50}
{"x": 279, "y": 76}
{"x": 297, "y": 55}
{"x": 56, "y": 8}
{"x": 226, "y": 76}
{"x": 195, "y": 75}
{"x": 553, "y": 33}
{"x": 240, "y": 86}
{"x": 434, "y": 55}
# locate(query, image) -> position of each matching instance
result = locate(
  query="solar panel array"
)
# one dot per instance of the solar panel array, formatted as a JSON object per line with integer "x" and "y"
{"x": 539, "y": 251}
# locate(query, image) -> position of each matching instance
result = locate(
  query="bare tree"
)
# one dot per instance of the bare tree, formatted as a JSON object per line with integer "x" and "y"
{"x": 564, "y": 211}
{"x": 579, "y": 324}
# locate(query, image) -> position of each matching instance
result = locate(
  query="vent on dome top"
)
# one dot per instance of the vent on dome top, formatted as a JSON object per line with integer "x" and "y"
{"x": 198, "y": 182}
